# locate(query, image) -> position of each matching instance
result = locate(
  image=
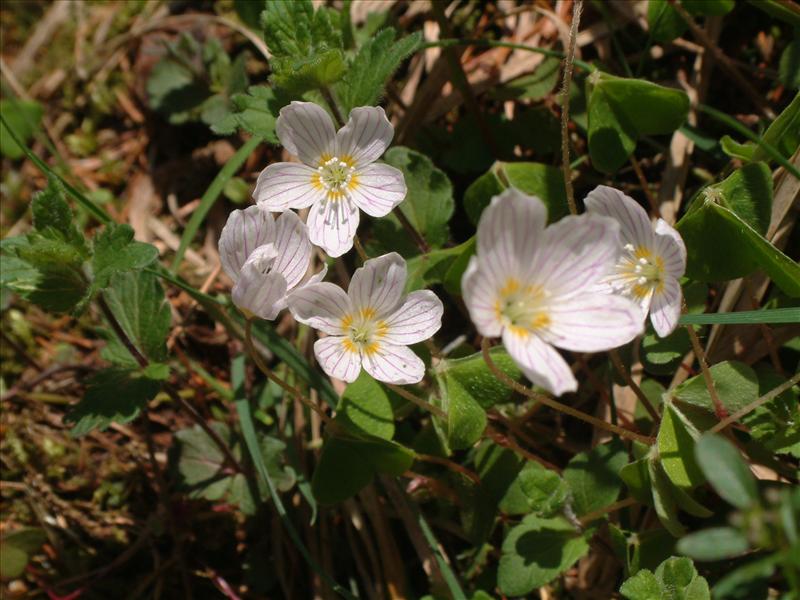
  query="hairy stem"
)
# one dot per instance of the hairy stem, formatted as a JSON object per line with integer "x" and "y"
{"x": 417, "y": 400}
{"x": 719, "y": 408}
{"x": 569, "y": 61}
{"x": 620, "y": 367}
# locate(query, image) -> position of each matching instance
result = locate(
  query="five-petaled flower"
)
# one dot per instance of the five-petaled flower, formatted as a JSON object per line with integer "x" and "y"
{"x": 652, "y": 260}
{"x": 265, "y": 258}
{"x": 337, "y": 175}
{"x": 372, "y": 324}
{"x": 531, "y": 285}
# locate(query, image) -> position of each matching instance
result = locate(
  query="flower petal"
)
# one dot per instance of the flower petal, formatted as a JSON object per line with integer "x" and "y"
{"x": 338, "y": 358}
{"x": 632, "y": 218}
{"x": 666, "y": 308}
{"x": 575, "y": 253}
{"x": 307, "y": 131}
{"x": 321, "y": 306}
{"x": 260, "y": 290}
{"x": 394, "y": 364}
{"x": 378, "y": 189}
{"x": 282, "y": 186}
{"x": 540, "y": 362}
{"x": 332, "y": 224}
{"x": 417, "y": 319}
{"x": 366, "y": 135}
{"x": 318, "y": 276}
{"x": 293, "y": 247}
{"x": 670, "y": 247}
{"x": 379, "y": 284}
{"x": 592, "y": 323}
{"x": 509, "y": 233}
{"x": 480, "y": 296}
{"x": 245, "y": 231}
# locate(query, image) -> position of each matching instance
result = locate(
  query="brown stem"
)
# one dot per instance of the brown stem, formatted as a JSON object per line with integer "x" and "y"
{"x": 556, "y": 405}
{"x": 569, "y": 60}
{"x": 507, "y": 441}
{"x": 254, "y": 354}
{"x": 450, "y": 465}
{"x": 418, "y": 401}
{"x": 360, "y": 249}
{"x": 601, "y": 512}
{"x": 645, "y": 186}
{"x": 719, "y": 408}
{"x": 620, "y": 367}
{"x": 755, "y": 404}
{"x": 415, "y": 235}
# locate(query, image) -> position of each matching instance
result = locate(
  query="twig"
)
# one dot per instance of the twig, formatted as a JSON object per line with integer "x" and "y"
{"x": 620, "y": 367}
{"x": 569, "y": 61}
{"x": 755, "y": 404}
{"x": 556, "y": 405}
{"x": 254, "y": 354}
{"x": 719, "y": 408}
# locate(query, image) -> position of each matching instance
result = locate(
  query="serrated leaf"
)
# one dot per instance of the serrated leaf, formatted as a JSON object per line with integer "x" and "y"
{"x": 429, "y": 204}
{"x": 593, "y": 477}
{"x": 115, "y": 395}
{"x": 545, "y": 490}
{"x": 137, "y": 300}
{"x": 617, "y": 121}
{"x": 253, "y": 112}
{"x": 115, "y": 251}
{"x": 53, "y": 218}
{"x": 726, "y": 471}
{"x": 24, "y": 118}
{"x": 537, "y": 551}
{"x": 365, "y": 407}
{"x": 676, "y": 442}
{"x": 715, "y": 543}
{"x": 377, "y": 59}
{"x": 674, "y": 579}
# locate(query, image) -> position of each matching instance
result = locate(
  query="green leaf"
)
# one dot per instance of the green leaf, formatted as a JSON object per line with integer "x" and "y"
{"x": 734, "y": 149}
{"x": 114, "y": 395}
{"x": 365, "y": 407}
{"x": 775, "y": 425}
{"x": 466, "y": 419}
{"x": 253, "y": 112}
{"x": 346, "y": 465}
{"x": 662, "y": 355}
{"x": 23, "y": 117}
{"x": 593, "y": 477}
{"x": 537, "y": 551}
{"x": 475, "y": 378}
{"x": 676, "y": 442}
{"x": 545, "y": 491}
{"x": 726, "y": 471}
{"x": 716, "y": 543}
{"x": 249, "y": 11}
{"x": 664, "y": 22}
{"x": 748, "y": 193}
{"x": 16, "y": 549}
{"x": 53, "y": 218}
{"x": 428, "y": 205}
{"x": 136, "y": 299}
{"x": 376, "y": 61}
{"x": 709, "y": 8}
{"x": 440, "y": 266}
{"x": 617, "y": 121}
{"x": 789, "y": 66}
{"x": 664, "y": 499}
{"x": 674, "y": 579}
{"x": 535, "y": 179}
{"x": 735, "y": 382}
{"x": 115, "y": 251}
{"x": 720, "y": 245}
{"x": 636, "y": 476}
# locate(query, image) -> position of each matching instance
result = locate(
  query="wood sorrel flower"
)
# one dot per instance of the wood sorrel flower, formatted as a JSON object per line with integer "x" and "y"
{"x": 265, "y": 259}
{"x": 532, "y": 285}
{"x": 338, "y": 174}
{"x": 372, "y": 324}
{"x": 651, "y": 262}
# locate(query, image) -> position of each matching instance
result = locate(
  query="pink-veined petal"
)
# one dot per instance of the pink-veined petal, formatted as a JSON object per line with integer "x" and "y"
{"x": 575, "y": 254}
{"x": 260, "y": 290}
{"x": 293, "y": 247}
{"x": 244, "y": 231}
{"x": 338, "y": 358}
{"x": 417, "y": 319}
{"x": 307, "y": 131}
{"x": 666, "y": 307}
{"x": 379, "y": 284}
{"x": 670, "y": 247}
{"x": 592, "y": 323}
{"x": 318, "y": 276}
{"x": 366, "y": 135}
{"x": 378, "y": 189}
{"x": 282, "y": 186}
{"x": 332, "y": 225}
{"x": 321, "y": 306}
{"x": 394, "y": 364}
{"x": 509, "y": 233}
{"x": 540, "y": 362}
{"x": 480, "y": 296}
{"x": 635, "y": 227}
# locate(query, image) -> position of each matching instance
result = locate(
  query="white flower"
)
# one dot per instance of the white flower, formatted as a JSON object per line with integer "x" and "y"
{"x": 531, "y": 286}
{"x": 265, "y": 259}
{"x": 651, "y": 262}
{"x": 372, "y": 324}
{"x": 338, "y": 174}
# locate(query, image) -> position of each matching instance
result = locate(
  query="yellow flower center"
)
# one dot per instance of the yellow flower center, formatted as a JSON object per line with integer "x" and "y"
{"x": 363, "y": 331}
{"x": 639, "y": 271}
{"x": 522, "y": 308}
{"x": 336, "y": 175}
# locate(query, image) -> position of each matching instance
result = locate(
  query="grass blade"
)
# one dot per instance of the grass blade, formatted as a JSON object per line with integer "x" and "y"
{"x": 744, "y": 317}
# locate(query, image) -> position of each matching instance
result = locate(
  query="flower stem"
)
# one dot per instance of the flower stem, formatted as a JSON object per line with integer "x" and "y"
{"x": 601, "y": 512}
{"x": 411, "y": 230}
{"x": 569, "y": 61}
{"x": 755, "y": 404}
{"x": 719, "y": 408}
{"x": 418, "y": 401}
{"x": 556, "y": 405}
{"x": 256, "y": 356}
{"x": 450, "y": 465}
{"x": 328, "y": 96}
{"x": 620, "y": 367}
